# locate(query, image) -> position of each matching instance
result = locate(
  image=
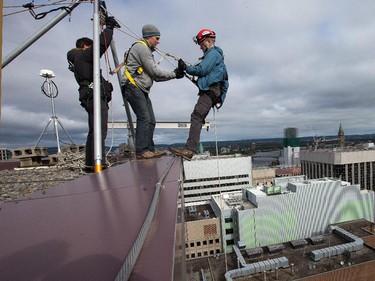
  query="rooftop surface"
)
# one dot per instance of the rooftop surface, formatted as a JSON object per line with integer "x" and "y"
{"x": 304, "y": 266}
{"x": 86, "y": 229}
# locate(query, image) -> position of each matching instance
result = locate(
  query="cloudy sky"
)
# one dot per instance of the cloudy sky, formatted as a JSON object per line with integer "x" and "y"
{"x": 306, "y": 64}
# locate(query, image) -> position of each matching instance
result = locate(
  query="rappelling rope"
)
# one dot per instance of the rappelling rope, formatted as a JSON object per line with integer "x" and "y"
{"x": 111, "y": 109}
{"x": 218, "y": 175}
{"x": 108, "y": 70}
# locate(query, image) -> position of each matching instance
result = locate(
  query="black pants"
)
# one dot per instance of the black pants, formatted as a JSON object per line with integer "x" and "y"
{"x": 90, "y": 153}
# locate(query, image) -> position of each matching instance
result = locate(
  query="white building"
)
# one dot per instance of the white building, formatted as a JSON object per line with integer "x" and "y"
{"x": 300, "y": 210}
{"x": 209, "y": 176}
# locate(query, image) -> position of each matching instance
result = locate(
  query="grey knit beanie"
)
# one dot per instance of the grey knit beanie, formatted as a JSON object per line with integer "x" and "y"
{"x": 150, "y": 30}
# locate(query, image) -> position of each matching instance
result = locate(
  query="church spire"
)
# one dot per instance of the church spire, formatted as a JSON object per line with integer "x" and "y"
{"x": 341, "y": 137}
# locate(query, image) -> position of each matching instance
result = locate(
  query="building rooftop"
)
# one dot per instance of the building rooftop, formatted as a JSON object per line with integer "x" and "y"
{"x": 231, "y": 200}
{"x": 199, "y": 212}
{"x": 299, "y": 256}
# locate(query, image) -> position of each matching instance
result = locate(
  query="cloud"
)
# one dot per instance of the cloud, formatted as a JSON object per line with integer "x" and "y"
{"x": 308, "y": 65}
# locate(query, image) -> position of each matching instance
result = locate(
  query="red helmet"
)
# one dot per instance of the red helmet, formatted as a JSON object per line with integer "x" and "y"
{"x": 203, "y": 34}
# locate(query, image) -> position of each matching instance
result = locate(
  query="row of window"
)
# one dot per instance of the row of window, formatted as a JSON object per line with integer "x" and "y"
{"x": 204, "y": 243}
{"x": 362, "y": 173}
{"x": 202, "y": 254}
{"x": 216, "y": 185}
{"x": 217, "y": 178}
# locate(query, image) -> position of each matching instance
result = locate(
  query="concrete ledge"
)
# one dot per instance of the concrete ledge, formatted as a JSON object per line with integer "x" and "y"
{"x": 73, "y": 148}
{"x": 30, "y": 161}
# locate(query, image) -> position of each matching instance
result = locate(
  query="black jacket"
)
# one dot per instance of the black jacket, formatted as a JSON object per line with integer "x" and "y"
{"x": 83, "y": 59}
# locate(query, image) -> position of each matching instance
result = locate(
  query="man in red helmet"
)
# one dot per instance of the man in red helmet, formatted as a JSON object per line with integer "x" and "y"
{"x": 213, "y": 86}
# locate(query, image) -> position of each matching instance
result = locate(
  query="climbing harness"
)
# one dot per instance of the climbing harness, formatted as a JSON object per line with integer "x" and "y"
{"x": 139, "y": 70}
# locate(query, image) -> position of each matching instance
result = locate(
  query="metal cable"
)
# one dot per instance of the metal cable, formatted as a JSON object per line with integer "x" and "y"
{"x": 218, "y": 175}
{"x": 133, "y": 254}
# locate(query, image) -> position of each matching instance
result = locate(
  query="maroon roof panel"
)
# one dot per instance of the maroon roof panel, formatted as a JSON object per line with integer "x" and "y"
{"x": 82, "y": 229}
{"x": 9, "y": 164}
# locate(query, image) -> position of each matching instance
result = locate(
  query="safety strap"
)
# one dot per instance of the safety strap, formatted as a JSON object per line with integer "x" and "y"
{"x": 139, "y": 70}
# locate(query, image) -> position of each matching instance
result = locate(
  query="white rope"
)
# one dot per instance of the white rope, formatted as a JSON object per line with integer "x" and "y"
{"x": 218, "y": 175}
{"x": 108, "y": 70}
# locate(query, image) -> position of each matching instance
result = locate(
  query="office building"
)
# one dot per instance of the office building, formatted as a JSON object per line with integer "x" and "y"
{"x": 291, "y": 147}
{"x": 204, "y": 177}
{"x": 356, "y": 166}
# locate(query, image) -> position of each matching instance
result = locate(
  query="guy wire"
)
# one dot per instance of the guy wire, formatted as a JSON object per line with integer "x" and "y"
{"x": 112, "y": 122}
{"x": 108, "y": 69}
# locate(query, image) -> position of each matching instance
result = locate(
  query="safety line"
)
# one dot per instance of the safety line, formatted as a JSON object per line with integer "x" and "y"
{"x": 131, "y": 259}
{"x": 218, "y": 175}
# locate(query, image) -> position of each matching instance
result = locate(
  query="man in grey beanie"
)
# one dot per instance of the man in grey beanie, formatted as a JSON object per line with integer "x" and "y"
{"x": 150, "y": 30}
{"x": 141, "y": 71}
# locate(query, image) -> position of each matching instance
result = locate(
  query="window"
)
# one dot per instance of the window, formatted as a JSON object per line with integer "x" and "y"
{"x": 198, "y": 243}
{"x": 229, "y": 231}
{"x": 230, "y": 242}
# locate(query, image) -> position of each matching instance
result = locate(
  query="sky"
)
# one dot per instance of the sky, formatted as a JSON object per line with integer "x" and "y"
{"x": 306, "y": 64}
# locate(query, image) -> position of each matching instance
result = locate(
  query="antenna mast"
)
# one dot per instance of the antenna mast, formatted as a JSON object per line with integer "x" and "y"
{"x": 97, "y": 103}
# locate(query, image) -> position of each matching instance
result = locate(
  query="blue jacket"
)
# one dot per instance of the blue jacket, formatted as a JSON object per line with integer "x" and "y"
{"x": 211, "y": 70}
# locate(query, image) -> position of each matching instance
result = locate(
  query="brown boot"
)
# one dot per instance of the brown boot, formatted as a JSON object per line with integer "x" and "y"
{"x": 159, "y": 153}
{"x": 146, "y": 155}
{"x": 183, "y": 152}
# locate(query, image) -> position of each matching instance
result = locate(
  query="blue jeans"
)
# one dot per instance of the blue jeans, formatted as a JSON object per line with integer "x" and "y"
{"x": 142, "y": 107}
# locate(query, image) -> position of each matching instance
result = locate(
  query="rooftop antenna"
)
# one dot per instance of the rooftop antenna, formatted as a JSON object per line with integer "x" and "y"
{"x": 49, "y": 88}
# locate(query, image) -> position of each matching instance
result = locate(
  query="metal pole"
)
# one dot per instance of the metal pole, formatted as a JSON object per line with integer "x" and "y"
{"x": 54, "y": 117}
{"x": 127, "y": 110}
{"x": 97, "y": 103}
{"x": 38, "y": 34}
{"x": 1, "y": 55}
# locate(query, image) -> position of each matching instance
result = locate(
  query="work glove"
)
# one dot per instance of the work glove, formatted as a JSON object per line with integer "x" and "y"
{"x": 179, "y": 73}
{"x": 181, "y": 64}
{"x": 111, "y": 22}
